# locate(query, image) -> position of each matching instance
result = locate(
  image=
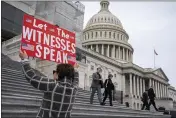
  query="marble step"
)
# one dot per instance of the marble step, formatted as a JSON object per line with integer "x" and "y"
{"x": 80, "y": 107}
{"x": 28, "y": 86}
{"x": 15, "y": 86}
{"x": 77, "y": 114}
{"x": 23, "y": 82}
{"x": 33, "y": 106}
{"x": 79, "y": 98}
{"x": 37, "y": 101}
{"x": 8, "y": 86}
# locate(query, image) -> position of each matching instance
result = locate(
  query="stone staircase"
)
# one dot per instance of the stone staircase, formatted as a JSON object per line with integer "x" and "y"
{"x": 21, "y": 100}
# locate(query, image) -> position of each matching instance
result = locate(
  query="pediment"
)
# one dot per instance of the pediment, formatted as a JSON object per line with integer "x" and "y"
{"x": 160, "y": 73}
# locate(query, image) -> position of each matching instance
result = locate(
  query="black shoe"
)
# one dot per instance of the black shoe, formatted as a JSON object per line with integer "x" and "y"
{"x": 102, "y": 103}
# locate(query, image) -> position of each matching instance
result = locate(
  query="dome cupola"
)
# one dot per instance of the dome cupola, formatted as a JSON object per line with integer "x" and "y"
{"x": 104, "y": 34}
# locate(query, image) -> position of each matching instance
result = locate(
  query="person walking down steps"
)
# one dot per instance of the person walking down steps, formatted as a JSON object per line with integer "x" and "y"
{"x": 97, "y": 82}
{"x": 109, "y": 87}
{"x": 145, "y": 101}
{"x": 152, "y": 96}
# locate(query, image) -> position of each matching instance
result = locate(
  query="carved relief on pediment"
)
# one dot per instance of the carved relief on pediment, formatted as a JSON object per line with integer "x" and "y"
{"x": 159, "y": 73}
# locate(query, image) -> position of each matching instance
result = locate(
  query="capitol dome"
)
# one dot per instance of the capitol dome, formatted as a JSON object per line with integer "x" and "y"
{"x": 104, "y": 16}
{"x": 104, "y": 34}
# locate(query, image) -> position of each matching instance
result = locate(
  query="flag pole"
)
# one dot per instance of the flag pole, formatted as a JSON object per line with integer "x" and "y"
{"x": 154, "y": 57}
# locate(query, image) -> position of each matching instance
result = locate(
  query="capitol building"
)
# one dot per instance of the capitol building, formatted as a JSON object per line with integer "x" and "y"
{"x": 102, "y": 43}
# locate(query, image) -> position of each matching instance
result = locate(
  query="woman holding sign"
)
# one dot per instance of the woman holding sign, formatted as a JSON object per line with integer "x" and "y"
{"x": 59, "y": 95}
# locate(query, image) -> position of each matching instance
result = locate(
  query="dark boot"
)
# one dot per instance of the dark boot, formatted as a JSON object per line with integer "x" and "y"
{"x": 102, "y": 103}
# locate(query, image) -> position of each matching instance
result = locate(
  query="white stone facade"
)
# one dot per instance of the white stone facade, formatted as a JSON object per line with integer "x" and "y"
{"x": 172, "y": 93}
{"x": 105, "y": 44}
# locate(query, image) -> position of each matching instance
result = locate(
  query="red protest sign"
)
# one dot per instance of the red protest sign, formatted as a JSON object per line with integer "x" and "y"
{"x": 48, "y": 42}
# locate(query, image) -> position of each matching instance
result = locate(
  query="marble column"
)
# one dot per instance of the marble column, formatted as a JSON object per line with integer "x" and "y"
{"x": 123, "y": 87}
{"x": 165, "y": 91}
{"x": 119, "y": 53}
{"x": 127, "y": 54}
{"x": 97, "y": 48}
{"x": 159, "y": 89}
{"x": 108, "y": 51}
{"x": 150, "y": 82}
{"x": 156, "y": 89}
{"x": 102, "y": 49}
{"x": 123, "y": 57}
{"x": 153, "y": 84}
{"x": 91, "y": 47}
{"x": 138, "y": 85}
{"x": 131, "y": 91}
{"x": 162, "y": 90}
{"x": 134, "y": 84}
{"x": 113, "y": 52}
{"x": 141, "y": 86}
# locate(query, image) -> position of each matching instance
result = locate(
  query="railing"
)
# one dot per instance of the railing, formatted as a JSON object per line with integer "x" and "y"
{"x": 11, "y": 41}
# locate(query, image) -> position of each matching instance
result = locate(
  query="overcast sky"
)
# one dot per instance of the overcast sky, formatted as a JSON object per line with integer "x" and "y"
{"x": 149, "y": 25}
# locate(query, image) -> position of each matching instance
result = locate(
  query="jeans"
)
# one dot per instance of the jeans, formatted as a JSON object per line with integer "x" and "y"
{"x": 94, "y": 89}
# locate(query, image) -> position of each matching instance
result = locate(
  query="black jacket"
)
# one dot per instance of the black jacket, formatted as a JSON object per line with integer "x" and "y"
{"x": 144, "y": 97}
{"x": 108, "y": 84}
{"x": 151, "y": 93}
{"x": 58, "y": 96}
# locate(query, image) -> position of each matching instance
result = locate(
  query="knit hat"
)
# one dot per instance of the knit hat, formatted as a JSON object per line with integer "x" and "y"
{"x": 110, "y": 75}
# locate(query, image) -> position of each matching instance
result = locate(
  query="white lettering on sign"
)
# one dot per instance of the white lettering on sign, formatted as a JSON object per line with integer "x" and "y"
{"x": 40, "y": 26}
{"x": 49, "y": 40}
{"x": 27, "y": 33}
{"x": 61, "y": 57}
{"x": 38, "y": 53}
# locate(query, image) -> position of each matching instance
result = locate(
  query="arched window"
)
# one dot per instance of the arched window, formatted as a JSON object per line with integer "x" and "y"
{"x": 109, "y": 34}
{"x": 85, "y": 37}
{"x": 88, "y": 35}
{"x": 121, "y": 37}
{"x": 112, "y": 20}
{"x": 105, "y": 19}
{"x": 108, "y": 19}
{"x": 105, "y": 34}
{"x": 95, "y": 20}
{"x": 100, "y": 34}
{"x": 101, "y": 19}
{"x": 96, "y": 34}
{"x": 92, "y": 35}
{"x": 98, "y": 19}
